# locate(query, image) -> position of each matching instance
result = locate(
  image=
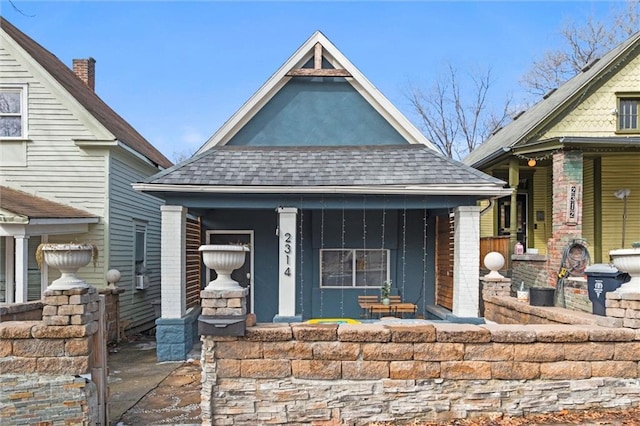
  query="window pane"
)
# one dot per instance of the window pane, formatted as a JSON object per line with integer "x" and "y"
{"x": 628, "y": 114}
{"x": 139, "y": 252}
{"x": 337, "y": 268}
{"x": 371, "y": 267}
{"x": 9, "y": 102}
{"x": 10, "y": 126}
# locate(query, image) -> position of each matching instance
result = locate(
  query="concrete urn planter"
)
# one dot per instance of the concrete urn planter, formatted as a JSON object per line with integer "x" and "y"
{"x": 628, "y": 260}
{"x": 223, "y": 259}
{"x": 67, "y": 258}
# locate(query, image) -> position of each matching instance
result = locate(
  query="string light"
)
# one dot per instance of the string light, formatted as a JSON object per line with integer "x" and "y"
{"x": 532, "y": 161}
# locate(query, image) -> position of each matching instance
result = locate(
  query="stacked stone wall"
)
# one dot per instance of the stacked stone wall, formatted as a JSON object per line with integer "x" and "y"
{"x": 625, "y": 307}
{"x": 112, "y": 312}
{"x": 42, "y": 362}
{"x": 354, "y": 374}
{"x": 29, "y": 311}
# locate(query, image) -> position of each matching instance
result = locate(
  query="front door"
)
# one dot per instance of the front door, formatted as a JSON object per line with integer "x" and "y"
{"x": 244, "y": 275}
{"x": 504, "y": 217}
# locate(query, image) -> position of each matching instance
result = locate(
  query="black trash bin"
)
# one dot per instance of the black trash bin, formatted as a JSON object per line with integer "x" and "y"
{"x": 603, "y": 278}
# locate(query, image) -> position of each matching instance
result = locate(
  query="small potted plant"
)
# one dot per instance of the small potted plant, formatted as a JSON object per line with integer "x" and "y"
{"x": 385, "y": 292}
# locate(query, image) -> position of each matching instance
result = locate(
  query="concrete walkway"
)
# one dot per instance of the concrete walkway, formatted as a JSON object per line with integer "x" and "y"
{"x": 146, "y": 392}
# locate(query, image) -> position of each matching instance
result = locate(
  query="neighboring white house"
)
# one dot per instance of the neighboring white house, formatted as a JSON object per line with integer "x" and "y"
{"x": 67, "y": 161}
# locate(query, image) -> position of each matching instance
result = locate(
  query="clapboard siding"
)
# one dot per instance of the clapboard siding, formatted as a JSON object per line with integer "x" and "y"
{"x": 126, "y": 207}
{"x": 95, "y": 179}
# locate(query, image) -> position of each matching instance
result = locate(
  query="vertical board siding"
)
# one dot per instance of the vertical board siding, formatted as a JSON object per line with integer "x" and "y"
{"x": 194, "y": 265}
{"x": 444, "y": 261}
{"x": 126, "y": 207}
{"x": 619, "y": 172}
{"x": 588, "y": 204}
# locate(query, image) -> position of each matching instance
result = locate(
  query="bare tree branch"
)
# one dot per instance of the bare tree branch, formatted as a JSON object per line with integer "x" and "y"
{"x": 456, "y": 118}
{"x": 582, "y": 45}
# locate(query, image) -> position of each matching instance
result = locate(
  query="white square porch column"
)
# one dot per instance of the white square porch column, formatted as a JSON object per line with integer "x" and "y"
{"x": 466, "y": 261}
{"x": 22, "y": 268}
{"x": 173, "y": 261}
{"x": 287, "y": 239}
{"x": 9, "y": 271}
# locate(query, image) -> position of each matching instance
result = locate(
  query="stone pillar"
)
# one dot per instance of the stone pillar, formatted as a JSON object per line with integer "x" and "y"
{"x": 466, "y": 261}
{"x": 287, "y": 265}
{"x": 73, "y": 315}
{"x": 567, "y": 208}
{"x": 22, "y": 268}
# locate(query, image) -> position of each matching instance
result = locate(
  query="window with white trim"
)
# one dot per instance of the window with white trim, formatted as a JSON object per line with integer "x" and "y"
{"x": 13, "y": 115}
{"x": 357, "y": 268}
{"x": 628, "y": 113}
{"x": 140, "y": 248}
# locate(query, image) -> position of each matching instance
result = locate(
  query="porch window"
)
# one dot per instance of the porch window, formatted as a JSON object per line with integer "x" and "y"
{"x": 12, "y": 112}
{"x": 356, "y": 268}
{"x": 628, "y": 114}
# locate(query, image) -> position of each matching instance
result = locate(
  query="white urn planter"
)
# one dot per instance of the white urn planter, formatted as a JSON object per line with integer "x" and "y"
{"x": 628, "y": 260}
{"x": 67, "y": 258}
{"x": 223, "y": 259}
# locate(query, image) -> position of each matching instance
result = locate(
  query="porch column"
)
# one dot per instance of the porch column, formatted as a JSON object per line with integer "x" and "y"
{"x": 173, "y": 260}
{"x": 287, "y": 265}
{"x": 466, "y": 261}
{"x": 9, "y": 271}
{"x": 22, "y": 268}
{"x": 514, "y": 182}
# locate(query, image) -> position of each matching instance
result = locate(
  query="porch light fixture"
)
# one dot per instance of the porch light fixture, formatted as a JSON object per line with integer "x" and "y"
{"x": 623, "y": 194}
{"x": 532, "y": 162}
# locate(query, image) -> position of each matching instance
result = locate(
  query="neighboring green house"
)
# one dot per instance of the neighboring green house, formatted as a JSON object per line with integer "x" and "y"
{"x": 566, "y": 158}
{"x": 335, "y": 191}
{"x": 67, "y": 162}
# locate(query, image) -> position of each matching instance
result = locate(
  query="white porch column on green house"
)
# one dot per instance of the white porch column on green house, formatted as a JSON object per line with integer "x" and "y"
{"x": 173, "y": 261}
{"x": 466, "y": 261}
{"x": 22, "y": 268}
{"x": 287, "y": 238}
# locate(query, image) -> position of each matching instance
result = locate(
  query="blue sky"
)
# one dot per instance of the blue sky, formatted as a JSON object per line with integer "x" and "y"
{"x": 178, "y": 70}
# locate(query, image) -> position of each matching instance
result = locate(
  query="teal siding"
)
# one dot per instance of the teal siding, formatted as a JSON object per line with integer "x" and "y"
{"x": 317, "y": 111}
{"x": 410, "y": 259}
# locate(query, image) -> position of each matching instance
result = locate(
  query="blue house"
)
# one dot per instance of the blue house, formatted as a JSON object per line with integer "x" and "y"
{"x": 335, "y": 191}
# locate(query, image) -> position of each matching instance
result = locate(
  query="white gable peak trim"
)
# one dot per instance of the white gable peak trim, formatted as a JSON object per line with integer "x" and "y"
{"x": 304, "y": 53}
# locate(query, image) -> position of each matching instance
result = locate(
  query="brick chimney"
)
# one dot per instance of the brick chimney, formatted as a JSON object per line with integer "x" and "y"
{"x": 85, "y": 69}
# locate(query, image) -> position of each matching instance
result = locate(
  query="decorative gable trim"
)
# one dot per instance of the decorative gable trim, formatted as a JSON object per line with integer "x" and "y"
{"x": 317, "y": 47}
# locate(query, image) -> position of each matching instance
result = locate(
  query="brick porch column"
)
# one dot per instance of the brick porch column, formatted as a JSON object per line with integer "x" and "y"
{"x": 566, "y": 207}
{"x": 466, "y": 261}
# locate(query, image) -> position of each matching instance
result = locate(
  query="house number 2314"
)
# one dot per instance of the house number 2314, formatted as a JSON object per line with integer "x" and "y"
{"x": 287, "y": 253}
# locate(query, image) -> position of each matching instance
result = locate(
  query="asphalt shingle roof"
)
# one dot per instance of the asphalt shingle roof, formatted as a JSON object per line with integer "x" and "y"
{"x": 322, "y": 166}
{"x": 25, "y": 204}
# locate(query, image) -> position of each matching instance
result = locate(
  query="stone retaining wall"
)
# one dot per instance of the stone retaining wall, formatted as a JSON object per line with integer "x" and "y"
{"x": 304, "y": 374}
{"x": 28, "y": 311}
{"x": 625, "y": 307}
{"x": 42, "y": 362}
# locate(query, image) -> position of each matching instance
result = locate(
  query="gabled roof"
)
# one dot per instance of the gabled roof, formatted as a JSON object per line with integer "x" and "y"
{"x": 532, "y": 121}
{"x": 347, "y": 169}
{"x": 342, "y": 67}
{"x": 115, "y": 124}
{"x": 22, "y": 205}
